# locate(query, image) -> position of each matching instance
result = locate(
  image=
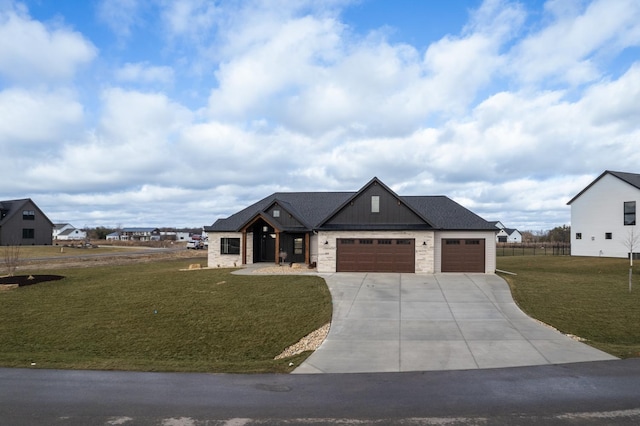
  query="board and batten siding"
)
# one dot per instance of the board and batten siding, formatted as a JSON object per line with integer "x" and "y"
{"x": 489, "y": 249}
{"x": 326, "y": 253}
{"x": 598, "y": 211}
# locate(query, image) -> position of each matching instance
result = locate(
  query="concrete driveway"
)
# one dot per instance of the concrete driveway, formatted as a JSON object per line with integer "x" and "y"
{"x": 419, "y": 322}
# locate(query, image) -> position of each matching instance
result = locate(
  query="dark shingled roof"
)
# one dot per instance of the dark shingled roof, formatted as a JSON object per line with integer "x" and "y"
{"x": 313, "y": 208}
{"x": 632, "y": 179}
{"x": 444, "y": 213}
{"x": 12, "y": 207}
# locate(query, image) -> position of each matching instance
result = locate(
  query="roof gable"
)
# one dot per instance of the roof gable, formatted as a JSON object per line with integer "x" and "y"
{"x": 632, "y": 179}
{"x": 391, "y": 210}
{"x": 14, "y": 207}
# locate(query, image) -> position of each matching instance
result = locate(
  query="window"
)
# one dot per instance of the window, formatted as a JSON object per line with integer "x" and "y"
{"x": 28, "y": 233}
{"x": 276, "y": 213}
{"x": 630, "y": 213}
{"x": 347, "y": 241}
{"x": 297, "y": 246}
{"x": 578, "y": 235}
{"x": 472, "y": 242}
{"x": 229, "y": 245}
{"x": 366, "y": 241}
{"x": 608, "y": 235}
{"x": 29, "y": 215}
{"x": 375, "y": 204}
{"x": 403, "y": 242}
{"x": 452, "y": 242}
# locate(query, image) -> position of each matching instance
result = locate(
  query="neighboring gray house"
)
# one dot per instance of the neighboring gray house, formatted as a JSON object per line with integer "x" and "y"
{"x": 66, "y": 231}
{"x": 370, "y": 230}
{"x": 23, "y": 223}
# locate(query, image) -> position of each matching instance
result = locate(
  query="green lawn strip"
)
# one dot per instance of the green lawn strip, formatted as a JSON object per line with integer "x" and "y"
{"x": 31, "y": 252}
{"x": 153, "y": 317}
{"x": 586, "y": 297}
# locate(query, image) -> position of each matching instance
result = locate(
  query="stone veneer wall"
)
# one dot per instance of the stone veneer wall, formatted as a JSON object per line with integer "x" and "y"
{"x": 489, "y": 249}
{"x": 217, "y": 260}
{"x": 425, "y": 254}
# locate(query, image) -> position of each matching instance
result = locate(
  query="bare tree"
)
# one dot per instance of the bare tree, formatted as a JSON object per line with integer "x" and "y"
{"x": 11, "y": 258}
{"x": 631, "y": 242}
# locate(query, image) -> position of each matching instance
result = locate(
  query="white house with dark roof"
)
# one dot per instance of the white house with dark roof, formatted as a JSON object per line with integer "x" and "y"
{"x": 603, "y": 215}
{"x": 66, "y": 231}
{"x": 370, "y": 230}
{"x": 507, "y": 235}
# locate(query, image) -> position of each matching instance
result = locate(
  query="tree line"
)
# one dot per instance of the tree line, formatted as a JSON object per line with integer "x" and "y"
{"x": 559, "y": 234}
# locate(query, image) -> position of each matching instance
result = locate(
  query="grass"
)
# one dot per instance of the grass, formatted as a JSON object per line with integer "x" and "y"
{"x": 584, "y": 296}
{"x": 33, "y": 252}
{"x": 154, "y": 317}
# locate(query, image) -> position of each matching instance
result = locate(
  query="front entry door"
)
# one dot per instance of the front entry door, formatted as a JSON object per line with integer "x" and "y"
{"x": 268, "y": 245}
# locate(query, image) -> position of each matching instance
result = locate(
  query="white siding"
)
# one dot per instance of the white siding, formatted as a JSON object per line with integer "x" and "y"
{"x": 600, "y": 209}
{"x": 489, "y": 249}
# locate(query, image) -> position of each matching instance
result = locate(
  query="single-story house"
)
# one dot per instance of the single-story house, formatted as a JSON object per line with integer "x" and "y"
{"x": 507, "y": 235}
{"x": 23, "y": 223}
{"x": 114, "y": 236}
{"x": 66, "y": 231}
{"x": 603, "y": 216}
{"x": 370, "y": 230}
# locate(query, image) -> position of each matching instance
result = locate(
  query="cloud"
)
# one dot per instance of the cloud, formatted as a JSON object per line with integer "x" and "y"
{"x": 31, "y": 53}
{"x": 119, "y": 15}
{"x": 144, "y": 73}
{"x": 38, "y": 118}
{"x": 570, "y": 49}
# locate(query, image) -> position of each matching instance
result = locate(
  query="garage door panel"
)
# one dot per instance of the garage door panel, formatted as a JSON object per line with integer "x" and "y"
{"x": 463, "y": 255}
{"x": 375, "y": 255}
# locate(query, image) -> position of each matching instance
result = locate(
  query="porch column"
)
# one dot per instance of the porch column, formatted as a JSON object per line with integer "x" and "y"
{"x": 277, "y": 248}
{"x": 244, "y": 247}
{"x": 307, "y": 249}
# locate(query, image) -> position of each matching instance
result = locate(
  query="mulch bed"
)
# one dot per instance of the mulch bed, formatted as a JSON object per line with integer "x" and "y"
{"x": 23, "y": 280}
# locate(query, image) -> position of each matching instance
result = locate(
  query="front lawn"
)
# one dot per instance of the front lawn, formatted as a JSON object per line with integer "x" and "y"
{"x": 584, "y": 296}
{"x": 154, "y": 317}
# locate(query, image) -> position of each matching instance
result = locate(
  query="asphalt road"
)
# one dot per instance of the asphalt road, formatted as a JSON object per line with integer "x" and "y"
{"x": 606, "y": 392}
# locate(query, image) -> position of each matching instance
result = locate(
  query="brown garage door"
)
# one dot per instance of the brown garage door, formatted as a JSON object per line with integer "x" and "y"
{"x": 463, "y": 255}
{"x": 375, "y": 255}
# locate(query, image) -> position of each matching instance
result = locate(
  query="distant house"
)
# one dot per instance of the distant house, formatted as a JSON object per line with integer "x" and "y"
{"x": 113, "y": 236}
{"x": 140, "y": 234}
{"x": 370, "y": 230}
{"x": 507, "y": 235}
{"x": 66, "y": 231}
{"x": 603, "y": 215}
{"x": 23, "y": 223}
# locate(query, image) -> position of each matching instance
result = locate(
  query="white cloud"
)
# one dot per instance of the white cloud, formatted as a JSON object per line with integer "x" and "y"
{"x": 38, "y": 118}
{"x": 31, "y": 53}
{"x": 192, "y": 18}
{"x": 144, "y": 73}
{"x": 120, "y": 15}
{"x": 569, "y": 49}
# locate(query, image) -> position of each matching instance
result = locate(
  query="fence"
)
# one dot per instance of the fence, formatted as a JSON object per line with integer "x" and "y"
{"x": 533, "y": 249}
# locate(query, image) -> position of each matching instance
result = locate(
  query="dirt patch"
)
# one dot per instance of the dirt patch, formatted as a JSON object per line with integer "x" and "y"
{"x": 22, "y": 280}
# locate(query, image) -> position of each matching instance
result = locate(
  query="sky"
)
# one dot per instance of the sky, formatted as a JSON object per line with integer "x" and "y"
{"x": 178, "y": 112}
